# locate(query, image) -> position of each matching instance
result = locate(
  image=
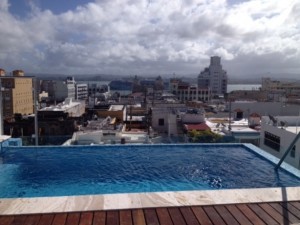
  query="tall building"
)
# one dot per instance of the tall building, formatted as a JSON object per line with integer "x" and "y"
{"x": 214, "y": 77}
{"x": 17, "y": 93}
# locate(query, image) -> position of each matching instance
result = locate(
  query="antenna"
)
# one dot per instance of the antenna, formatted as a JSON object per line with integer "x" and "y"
{"x": 274, "y": 120}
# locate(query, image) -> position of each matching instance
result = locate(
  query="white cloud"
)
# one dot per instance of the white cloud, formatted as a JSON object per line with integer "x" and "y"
{"x": 129, "y": 36}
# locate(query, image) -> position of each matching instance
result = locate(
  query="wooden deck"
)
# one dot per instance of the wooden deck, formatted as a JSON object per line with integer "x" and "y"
{"x": 261, "y": 213}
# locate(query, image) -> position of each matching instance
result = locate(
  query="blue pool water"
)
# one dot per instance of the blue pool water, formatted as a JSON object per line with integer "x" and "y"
{"x": 60, "y": 171}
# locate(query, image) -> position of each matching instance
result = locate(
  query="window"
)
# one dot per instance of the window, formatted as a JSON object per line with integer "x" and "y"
{"x": 161, "y": 122}
{"x": 293, "y": 152}
{"x": 272, "y": 141}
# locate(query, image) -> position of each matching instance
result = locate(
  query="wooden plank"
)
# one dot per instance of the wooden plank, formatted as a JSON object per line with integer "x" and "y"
{"x": 250, "y": 214}
{"x": 6, "y": 220}
{"x": 19, "y": 220}
{"x": 291, "y": 208}
{"x": 73, "y": 219}
{"x": 112, "y": 217}
{"x": 60, "y": 219}
{"x": 213, "y": 215}
{"x": 46, "y": 219}
{"x": 176, "y": 216}
{"x": 238, "y": 215}
{"x": 201, "y": 215}
{"x": 273, "y": 213}
{"x": 296, "y": 204}
{"x": 151, "y": 217}
{"x": 138, "y": 217}
{"x": 262, "y": 214}
{"x": 99, "y": 218}
{"x": 226, "y": 215}
{"x": 164, "y": 216}
{"x": 32, "y": 219}
{"x": 125, "y": 217}
{"x": 86, "y": 218}
{"x": 189, "y": 216}
{"x": 284, "y": 212}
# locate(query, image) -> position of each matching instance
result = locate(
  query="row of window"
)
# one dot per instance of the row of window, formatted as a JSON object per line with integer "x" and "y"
{"x": 273, "y": 141}
{"x": 193, "y": 92}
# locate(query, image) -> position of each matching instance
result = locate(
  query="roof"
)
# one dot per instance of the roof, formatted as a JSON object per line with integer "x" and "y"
{"x": 238, "y": 110}
{"x": 255, "y": 115}
{"x": 199, "y": 126}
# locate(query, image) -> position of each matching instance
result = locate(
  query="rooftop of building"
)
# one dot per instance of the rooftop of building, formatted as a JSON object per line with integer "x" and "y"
{"x": 67, "y": 104}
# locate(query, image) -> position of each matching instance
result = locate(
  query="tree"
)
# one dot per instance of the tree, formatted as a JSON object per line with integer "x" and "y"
{"x": 205, "y": 136}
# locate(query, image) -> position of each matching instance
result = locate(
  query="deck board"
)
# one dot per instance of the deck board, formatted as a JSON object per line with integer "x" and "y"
{"x": 164, "y": 216}
{"x": 99, "y": 218}
{"x": 284, "y": 212}
{"x": 226, "y": 215}
{"x": 86, "y": 218}
{"x": 46, "y": 219}
{"x": 246, "y": 214}
{"x": 239, "y": 216}
{"x": 176, "y": 216}
{"x": 213, "y": 215}
{"x": 201, "y": 215}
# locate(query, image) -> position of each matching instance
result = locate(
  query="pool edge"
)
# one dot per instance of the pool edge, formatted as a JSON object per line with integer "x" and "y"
{"x": 16, "y": 206}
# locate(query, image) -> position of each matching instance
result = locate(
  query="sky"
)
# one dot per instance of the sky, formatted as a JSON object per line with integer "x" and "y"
{"x": 150, "y": 37}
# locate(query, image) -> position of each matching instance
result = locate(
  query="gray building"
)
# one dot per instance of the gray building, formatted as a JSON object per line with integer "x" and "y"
{"x": 59, "y": 90}
{"x": 81, "y": 91}
{"x": 214, "y": 77}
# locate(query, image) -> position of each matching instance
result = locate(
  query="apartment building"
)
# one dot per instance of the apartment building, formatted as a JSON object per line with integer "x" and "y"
{"x": 17, "y": 93}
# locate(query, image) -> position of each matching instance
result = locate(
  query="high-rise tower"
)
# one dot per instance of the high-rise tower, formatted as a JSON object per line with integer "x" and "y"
{"x": 214, "y": 77}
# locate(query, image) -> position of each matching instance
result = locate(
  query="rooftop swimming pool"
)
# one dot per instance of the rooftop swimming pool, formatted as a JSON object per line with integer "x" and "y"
{"x": 89, "y": 170}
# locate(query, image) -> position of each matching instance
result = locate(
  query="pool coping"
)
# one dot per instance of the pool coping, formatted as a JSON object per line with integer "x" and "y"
{"x": 16, "y": 206}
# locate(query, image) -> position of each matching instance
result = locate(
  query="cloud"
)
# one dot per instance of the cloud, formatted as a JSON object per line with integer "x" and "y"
{"x": 153, "y": 37}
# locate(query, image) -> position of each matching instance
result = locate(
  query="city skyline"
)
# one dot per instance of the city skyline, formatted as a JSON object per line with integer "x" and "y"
{"x": 150, "y": 37}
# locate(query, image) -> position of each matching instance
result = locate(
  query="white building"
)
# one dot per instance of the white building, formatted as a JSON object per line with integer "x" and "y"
{"x": 277, "y": 135}
{"x": 263, "y": 108}
{"x": 214, "y": 77}
{"x": 70, "y": 106}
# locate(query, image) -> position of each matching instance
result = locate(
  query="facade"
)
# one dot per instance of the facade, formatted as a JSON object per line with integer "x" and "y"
{"x": 277, "y": 137}
{"x": 186, "y": 92}
{"x": 17, "y": 94}
{"x": 275, "y": 85}
{"x": 59, "y": 90}
{"x": 81, "y": 91}
{"x": 214, "y": 77}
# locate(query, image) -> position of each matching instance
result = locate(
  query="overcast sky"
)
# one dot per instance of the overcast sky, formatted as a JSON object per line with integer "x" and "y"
{"x": 253, "y": 37}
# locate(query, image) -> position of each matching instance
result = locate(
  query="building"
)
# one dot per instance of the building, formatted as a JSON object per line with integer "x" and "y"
{"x": 17, "y": 93}
{"x": 214, "y": 77}
{"x": 186, "y": 92}
{"x": 59, "y": 90}
{"x": 277, "y": 134}
{"x": 81, "y": 91}
{"x": 281, "y": 91}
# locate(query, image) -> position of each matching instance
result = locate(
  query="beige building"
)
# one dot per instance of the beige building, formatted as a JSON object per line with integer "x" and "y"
{"x": 17, "y": 93}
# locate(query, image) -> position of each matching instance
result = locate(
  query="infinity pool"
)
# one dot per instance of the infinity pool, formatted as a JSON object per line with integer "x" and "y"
{"x": 85, "y": 170}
